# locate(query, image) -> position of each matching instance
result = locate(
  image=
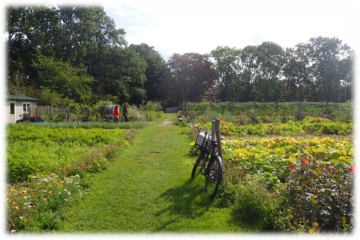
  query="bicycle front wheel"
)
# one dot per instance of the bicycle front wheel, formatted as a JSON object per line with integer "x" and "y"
{"x": 199, "y": 163}
{"x": 214, "y": 175}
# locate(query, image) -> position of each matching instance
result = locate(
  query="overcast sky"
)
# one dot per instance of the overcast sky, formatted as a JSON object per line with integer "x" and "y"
{"x": 200, "y": 26}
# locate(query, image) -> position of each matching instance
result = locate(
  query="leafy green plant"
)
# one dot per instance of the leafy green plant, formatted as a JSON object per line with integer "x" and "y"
{"x": 321, "y": 193}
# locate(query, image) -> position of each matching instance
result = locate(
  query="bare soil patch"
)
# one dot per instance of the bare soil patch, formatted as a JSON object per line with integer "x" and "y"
{"x": 167, "y": 122}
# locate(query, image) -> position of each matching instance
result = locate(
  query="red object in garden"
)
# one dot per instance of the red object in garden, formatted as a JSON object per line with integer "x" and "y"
{"x": 304, "y": 161}
{"x": 351, "y": 169}
{"x": 292, "y": 166}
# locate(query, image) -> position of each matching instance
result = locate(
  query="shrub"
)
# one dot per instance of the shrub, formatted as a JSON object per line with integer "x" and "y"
{"x": 320, "y": 193}
{"x": 253, "y": 116}
{"x": 299, "y": 116}
{"x": 324, "y": 116}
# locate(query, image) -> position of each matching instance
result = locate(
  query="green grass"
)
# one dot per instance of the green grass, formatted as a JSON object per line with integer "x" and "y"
{"x": 86, "y": 125}
{"x": 148, "y": 189}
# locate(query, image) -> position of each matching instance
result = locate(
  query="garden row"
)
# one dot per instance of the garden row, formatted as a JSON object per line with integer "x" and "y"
{"x": 290, "y": 111}
{"x": 302, "y": 183}
{"x": 48, "y": 168}
{"x": 316, "y": 126}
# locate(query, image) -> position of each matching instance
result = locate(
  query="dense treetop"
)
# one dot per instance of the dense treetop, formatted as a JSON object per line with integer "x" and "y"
{"x": 66, "y": 54}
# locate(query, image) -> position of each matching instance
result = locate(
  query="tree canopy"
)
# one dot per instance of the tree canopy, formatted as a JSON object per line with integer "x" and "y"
{"x": 77, "y": 53}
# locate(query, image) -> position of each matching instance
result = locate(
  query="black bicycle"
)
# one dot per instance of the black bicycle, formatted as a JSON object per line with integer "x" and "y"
{"x": 213, "y": 172}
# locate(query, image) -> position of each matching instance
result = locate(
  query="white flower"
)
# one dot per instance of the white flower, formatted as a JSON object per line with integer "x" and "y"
{"x": 12, "y": 231}
{"x": 65, "y": 199}
{"x": 34, "y": 177}
{"x": 21, "y": 217}
{"x": 27, "y": 203}
{"x": 69, "y": 193}
{"x": 25, "y": 197}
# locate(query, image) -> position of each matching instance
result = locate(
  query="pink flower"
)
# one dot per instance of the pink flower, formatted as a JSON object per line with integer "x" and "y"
{"x": 351, "y": 169}
{"x": 292, "y": 166}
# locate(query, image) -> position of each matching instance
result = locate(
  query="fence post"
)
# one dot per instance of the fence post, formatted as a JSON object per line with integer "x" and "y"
{"x": 327, "y": 105}
{"x": 345, "y": 93}
{"x": 212, "y": 130}
{"x": 218, "y": 138}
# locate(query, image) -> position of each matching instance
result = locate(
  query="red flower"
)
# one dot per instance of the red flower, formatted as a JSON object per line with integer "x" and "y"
{"x": 351, "y": 169}
{"x": 304, "y": 161}
{"x": 292, "y": 166}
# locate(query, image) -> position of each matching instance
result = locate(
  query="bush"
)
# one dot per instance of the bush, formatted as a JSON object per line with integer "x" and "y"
{"x": 299, "y": 116}
{"x": 320, "y": 193}
{"x": 253, "y": 116}
{"x": 99, "y": 107}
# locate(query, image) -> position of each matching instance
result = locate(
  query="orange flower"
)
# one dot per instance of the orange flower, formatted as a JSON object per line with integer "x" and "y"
{"x": 311, "y": 230}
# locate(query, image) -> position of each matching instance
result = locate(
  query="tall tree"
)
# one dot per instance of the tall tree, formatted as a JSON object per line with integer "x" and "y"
{"x": 188, "y": 77}
{"x": 331, "y": 62}
{"x": 86, "y": 30}
{"x": 250, "y": 70}
{"x": 156, "y": 66}
{"x": 29, "y": 30}
{"x": 269, "y": 61}
{"x": 62, "y": 78}
{"x": 120, "y": 72}
{"x": 228, "y": 66}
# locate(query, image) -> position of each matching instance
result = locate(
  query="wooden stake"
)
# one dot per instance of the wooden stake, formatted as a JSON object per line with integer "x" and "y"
{"x": 218, "y": 138}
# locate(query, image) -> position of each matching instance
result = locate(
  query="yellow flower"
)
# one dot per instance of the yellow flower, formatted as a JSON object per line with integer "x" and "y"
{"x": 291, "y": 216}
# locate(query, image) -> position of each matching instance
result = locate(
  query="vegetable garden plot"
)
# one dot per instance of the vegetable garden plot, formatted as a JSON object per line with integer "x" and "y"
{"x": 33, "y": 149}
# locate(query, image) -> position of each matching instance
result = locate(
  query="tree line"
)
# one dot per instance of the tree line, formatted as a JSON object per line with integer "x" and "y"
{"x": 75, "y": 54}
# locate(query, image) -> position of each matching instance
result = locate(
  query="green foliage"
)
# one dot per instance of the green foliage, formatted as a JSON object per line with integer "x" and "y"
{"x": 321, "y": 193}
{"x": 99, "y": 108}
{"x": 47, "y": 149}
{"x": 41, "y": 203}
{"x": 62, "y": 78}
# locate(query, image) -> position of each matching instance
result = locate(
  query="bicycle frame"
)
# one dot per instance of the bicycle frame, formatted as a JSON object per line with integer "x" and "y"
{"x": 207, "y": 152}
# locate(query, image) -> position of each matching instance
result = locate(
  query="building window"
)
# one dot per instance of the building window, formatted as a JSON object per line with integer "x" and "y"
{"x": 12, "y": 108}
{"x": 26, "y": 106}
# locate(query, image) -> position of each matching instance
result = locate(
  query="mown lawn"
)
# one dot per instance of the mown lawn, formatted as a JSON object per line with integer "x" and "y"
{"x": 148, "y": 189}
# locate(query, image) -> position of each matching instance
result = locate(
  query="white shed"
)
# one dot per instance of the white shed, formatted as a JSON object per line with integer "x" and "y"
{"x": 17, "y": 105}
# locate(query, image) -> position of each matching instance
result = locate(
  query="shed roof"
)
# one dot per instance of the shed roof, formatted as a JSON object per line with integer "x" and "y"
{"x": 19, "y": 97}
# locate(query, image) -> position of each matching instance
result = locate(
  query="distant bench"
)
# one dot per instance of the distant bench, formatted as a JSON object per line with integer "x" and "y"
{"x": 171, "y": 110}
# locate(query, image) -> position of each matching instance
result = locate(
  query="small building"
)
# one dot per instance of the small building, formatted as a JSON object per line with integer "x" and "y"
{"x": 16, "y": 106}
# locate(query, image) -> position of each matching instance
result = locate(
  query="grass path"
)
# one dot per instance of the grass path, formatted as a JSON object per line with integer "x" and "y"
{"x": 149, "y": 190}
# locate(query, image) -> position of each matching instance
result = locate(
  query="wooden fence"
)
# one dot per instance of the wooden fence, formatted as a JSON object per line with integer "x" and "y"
{"x": 323, "y": 105}
{"x": 61, "y": 112}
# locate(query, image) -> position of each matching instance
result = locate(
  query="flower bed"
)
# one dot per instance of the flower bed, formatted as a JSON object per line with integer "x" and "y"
{"x": 270, "y": 158}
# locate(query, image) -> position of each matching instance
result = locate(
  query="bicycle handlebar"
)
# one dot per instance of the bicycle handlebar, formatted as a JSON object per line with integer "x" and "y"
{"x": 204, "y": 130}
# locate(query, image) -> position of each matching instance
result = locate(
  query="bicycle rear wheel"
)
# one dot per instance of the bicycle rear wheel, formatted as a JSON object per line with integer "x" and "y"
{"x": 199, "y": 163}
{"x": 214, "y": 175}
